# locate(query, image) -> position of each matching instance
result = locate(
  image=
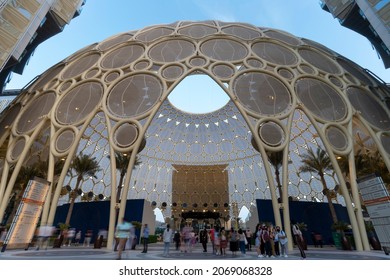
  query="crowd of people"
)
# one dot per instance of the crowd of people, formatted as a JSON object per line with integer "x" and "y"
{"x": 267, "y": 240}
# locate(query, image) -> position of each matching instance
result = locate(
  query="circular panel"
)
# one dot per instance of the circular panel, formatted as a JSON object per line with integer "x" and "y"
{"x": 153, "y": 34}
{"x": 336, "y": 81}
{"x": 255, "y": 63}
{"x": 172, "y": 72}
{"x": 167, "y": 146}
{"x": 181, "y": 148}
{"x": 80, "y": 65}
{"x": 285, "y": 73}
{"x": 9, "y": 117}
{"x": 318, "y": 46}
{"x": 271, "y": 134}
{"x": 197, "y": 61}
{"x": 197, "y": 31}
{"x": 45, "y": 78}
{"x": 79, "y": 102}
{"x": 224, "y": 49}
{"x": 321, "y": 99}
{"x": 226, "y": 147}
{"x": 172, "y": 50}
{"x": 134, "y": 95}
{"x": 385, "y": 139}
{"x": 125, "y": 135}
{"x": 122, "y": 56}
{"x": 283, "y": 37}
{"x": 18, "y": 148}
{"x": 307, "y": 69}
{"x": 369, "y": 107}
{"x": 111, "y": 77}
{"x": 242, "y": 32}
{"x": 223, "y": 71}
{"x": 65, "y": 85}
{"x": 141, "y": 65}
{"x": 319, "y": 60}
{"x": 92, "y": 73}
{"x": 65, "y": 140}
{"x": 274, "y": 53}
{"x": 35, "y": 112}
{"x": 211, "y": 148}
{"x": 355, "y": 71}
{"x": 196, "y": 149}
{"x": 106, "y": 44}
{"x": 337, "y": 138}
{"x": 262, "y": 93}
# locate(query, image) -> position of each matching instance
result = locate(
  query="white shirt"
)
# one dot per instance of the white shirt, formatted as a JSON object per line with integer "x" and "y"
{"x": 167, "y": 235}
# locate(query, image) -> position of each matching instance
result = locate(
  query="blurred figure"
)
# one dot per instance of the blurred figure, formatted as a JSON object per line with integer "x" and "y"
{"x": 145, "y": 235}
{"x": 69, "y": 236}
{"x": 122, "y": 233}
{"x": 241, "y": 240}
{"x": 186, "y": 233}
{"x": 299, "y": 239}
{"x": 217, "y": 241}
{"x": 248, "y": 235}
{"x": 223, "y": 242}
{"x": 87, "y": 238}
{"x": 176, "y": 239}
{"x": 77, "y": 238}
{"x": 167, "y": 237}
{"x": 44, "y": 233}
{"x": 203, "y": 238}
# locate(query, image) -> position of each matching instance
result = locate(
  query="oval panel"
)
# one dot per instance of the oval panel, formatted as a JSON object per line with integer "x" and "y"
{"x": 79, "y": 102}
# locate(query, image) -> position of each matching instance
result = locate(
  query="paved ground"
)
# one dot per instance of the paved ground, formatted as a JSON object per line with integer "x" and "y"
{"x": 155, "y": 252}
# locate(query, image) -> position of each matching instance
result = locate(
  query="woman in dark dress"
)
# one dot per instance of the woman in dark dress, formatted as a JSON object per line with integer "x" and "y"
{"x": 233, "y": 241}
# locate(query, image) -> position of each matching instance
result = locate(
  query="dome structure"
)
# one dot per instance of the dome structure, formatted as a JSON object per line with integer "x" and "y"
{"x": 287, "y": 95}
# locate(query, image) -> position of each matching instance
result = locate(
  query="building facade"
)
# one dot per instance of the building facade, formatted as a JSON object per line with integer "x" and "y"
{"x": 25, "y": 24}
{"x": 370, "y": 18}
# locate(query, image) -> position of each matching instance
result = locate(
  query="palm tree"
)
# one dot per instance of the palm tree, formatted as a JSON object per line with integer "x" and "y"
{"x": 276, "y": 159}
{"x": 319, "y": 162}
{"x": 122, "y": 162}
{"x": 83, "y": 166}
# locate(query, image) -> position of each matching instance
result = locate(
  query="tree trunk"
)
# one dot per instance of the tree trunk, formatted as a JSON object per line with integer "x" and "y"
{"x": 279, "y": 185}
{"x": 331, "y": 206}
{"x": 72, "y": 200}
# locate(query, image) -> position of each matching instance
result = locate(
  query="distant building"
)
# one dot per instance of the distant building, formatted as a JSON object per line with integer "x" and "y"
{"x": 370, "y": 18}
{"x": 7, "y": 97}
{"x": 25, "y": 24}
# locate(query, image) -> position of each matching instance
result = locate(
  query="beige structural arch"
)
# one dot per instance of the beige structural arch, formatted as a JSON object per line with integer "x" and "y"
{"x": 286, "y": 94}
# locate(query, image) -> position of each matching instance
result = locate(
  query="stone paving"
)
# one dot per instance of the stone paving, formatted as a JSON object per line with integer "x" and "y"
{"x": 155, "y": 251}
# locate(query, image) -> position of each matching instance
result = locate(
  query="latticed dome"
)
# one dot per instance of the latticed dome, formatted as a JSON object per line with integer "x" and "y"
{"x": 286, "y": 94}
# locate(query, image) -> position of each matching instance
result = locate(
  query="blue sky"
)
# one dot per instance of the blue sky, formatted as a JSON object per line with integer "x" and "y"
{"x": 101, "y": 19}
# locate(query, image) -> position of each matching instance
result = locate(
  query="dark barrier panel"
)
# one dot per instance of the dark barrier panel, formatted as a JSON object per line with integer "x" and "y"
{"x": 95, "y": 215}
{"x": 315, "y": 214}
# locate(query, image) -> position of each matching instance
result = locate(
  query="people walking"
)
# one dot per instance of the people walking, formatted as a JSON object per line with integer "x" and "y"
{"x": 167, "y": 238}
{"x": 241, "y": 240}
{"x": 88, "y": 238}
{"x": 233, "y": 241}
{"x": 145, "y": 235}
{"x": 248, "y": 235}
{"x": 176, "y": 239}
{"x": 203, "y": 238}
{"x": 122, "y": 233}
{"x": 223, "y": 242}
{"x": 266, "y": 240}
{"x": 299, "y": 239}
{"x": 282, "y": 238}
